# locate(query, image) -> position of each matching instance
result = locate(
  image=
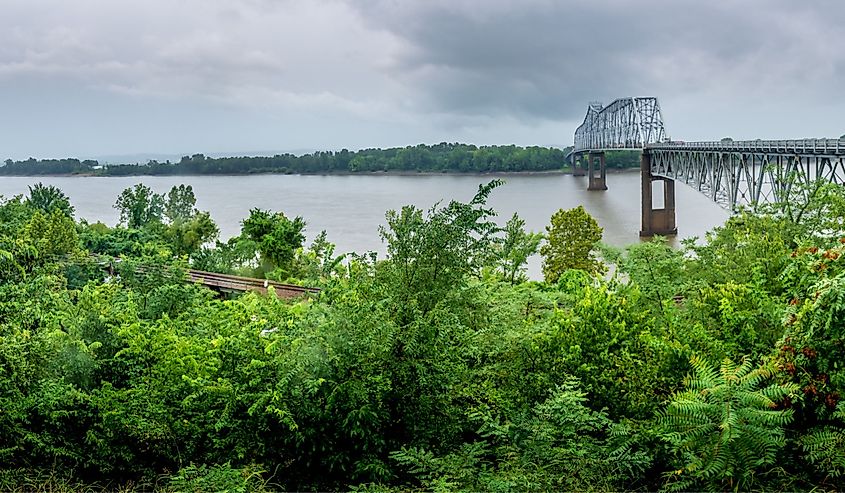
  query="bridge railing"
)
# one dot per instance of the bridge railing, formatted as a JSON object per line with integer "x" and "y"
{"x": 798, "y": 146}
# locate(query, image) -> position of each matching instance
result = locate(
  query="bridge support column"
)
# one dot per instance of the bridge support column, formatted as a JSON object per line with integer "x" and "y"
{"x": 577, "y": 167}
{"x": 596, "y": 181}
{"x": 656, "y": 221}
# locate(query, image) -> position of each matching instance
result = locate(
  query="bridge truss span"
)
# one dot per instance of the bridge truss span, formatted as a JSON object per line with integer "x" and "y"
{"x": 629, "y": 123}
{"x": 749, "y": 173}
{"x": 734, "y": 174}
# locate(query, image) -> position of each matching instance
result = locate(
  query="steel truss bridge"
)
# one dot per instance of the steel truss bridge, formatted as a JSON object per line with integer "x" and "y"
{"x": 734, "y": 174}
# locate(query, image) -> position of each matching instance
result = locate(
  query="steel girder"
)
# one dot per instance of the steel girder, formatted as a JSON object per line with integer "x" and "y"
{"x": 629, "y": 123}
{"x": 749, "y": 173}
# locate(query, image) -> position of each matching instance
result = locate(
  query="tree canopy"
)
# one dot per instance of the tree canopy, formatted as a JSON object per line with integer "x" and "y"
{"x": 571, "y": 242}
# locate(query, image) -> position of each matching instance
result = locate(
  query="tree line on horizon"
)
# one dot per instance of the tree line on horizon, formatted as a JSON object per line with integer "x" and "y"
{"x": 438, "y": 158}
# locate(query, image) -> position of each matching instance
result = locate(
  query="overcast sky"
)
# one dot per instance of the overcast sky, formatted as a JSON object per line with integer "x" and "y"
{"x": 109, "y": 77}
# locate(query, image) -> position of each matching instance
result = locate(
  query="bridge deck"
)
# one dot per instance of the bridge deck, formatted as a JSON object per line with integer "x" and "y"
{"x": 833, "y": 147}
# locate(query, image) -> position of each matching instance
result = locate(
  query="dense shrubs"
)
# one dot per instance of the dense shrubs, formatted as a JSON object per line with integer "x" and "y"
{"x": 436, "y": 368}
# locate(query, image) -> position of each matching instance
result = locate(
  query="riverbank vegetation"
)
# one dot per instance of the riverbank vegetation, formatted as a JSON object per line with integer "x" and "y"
{"x": 439, "y": 158}
{"x": 438, "y": 367}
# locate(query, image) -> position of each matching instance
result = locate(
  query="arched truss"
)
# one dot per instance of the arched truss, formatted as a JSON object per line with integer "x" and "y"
{"x": 629, "y": 123}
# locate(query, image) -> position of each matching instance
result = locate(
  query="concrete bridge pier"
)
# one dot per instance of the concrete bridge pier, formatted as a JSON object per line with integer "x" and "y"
{"x": 656, "y": 221}
{"x": 596, "y": 178}
{"x": 577, "y": 166}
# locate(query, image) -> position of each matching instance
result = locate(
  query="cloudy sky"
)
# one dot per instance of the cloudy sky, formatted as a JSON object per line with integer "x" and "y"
{"x": 94, "y": 78}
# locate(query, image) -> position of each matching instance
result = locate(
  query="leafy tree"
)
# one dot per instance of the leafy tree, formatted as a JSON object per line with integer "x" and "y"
{"x": 188, "y": 235}
{"x": 180, "y": 202}
{"x": 51, "y": 235}
{"x": 724, "y": 426}
{"x": 431, "y": 254}
{"x": 48, "y": 198}
{"x": 139, "y": 206}
{"x": 276, "y": 237}
{"x": 655, "y": 267}
{"x": 571, "y": 240}
{"x": 515, "y": 249}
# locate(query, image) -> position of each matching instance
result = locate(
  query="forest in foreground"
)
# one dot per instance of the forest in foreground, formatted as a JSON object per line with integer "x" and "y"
{"x": 438, "y": 158}
{"x": 439, "y": 367}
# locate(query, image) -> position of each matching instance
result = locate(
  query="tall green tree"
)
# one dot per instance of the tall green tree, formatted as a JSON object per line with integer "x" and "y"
{"x": 432, "y": 253}
{"x": 180, "y": 202}
{"x": 571, "y": 241}
{"x": 515, "y": 249}
{"x": 187, "y": 236}
{"x": 276, "y": 237}
{"x": 48, "y": 198}
{"x": 139, "y": 206}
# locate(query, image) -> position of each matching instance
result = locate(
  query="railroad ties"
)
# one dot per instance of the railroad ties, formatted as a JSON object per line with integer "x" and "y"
{"x": 228, "y": 283}
{"x": 222, "y": 283}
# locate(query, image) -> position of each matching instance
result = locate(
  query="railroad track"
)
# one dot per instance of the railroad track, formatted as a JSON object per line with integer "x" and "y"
{"x": 225, "y": 282}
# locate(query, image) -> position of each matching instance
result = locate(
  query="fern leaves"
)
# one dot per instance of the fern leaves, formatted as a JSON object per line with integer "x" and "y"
{"x": 724, "y": 425}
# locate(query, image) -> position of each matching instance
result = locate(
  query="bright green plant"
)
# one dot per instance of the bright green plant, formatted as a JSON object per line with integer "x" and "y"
{"x": 725, "y": 427}
{"x": 515, "y": 249}
{"x": 139, "y": 206}
{"x": 825, "y": 448}
{"x": 48, "y": 198}
{"x": 276, "y": 237}
{"x": 571, "y": 239}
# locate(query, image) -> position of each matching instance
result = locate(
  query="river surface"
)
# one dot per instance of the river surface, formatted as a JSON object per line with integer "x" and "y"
{"x": 351, "y": 207}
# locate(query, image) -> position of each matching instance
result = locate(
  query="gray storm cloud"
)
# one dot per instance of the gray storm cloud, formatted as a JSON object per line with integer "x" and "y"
{"x": 547, "y": 58}
{"x": 280, "y": 74}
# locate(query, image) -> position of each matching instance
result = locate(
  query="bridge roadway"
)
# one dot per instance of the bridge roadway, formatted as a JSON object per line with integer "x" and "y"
{"x": 734, "y": 174}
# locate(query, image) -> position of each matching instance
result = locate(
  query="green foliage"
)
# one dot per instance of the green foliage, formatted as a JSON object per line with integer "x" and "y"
{"x": 561, "y": 445}
{"x": 622, "y": 159}
{"x": 180, "y": 202}
{"x": 139, "y": 206}
{"x": 48, "y": 198}
{"x": 571, "y": 238}
{"x": 442, "y": 157}
{"x": 747, "y": 248}
{"x": 601, "y": 341}
{"x": 432, "y": 254}
{"x": 115, "y": 242}
{"x": 439, "y": 367}
{"x": 276, "y": 237}
{"x": 219, "y": 477}
{"x": 825, "y": 447}
{"x": 725, "y": 427}
{"x": 746, "y": 320}
{"x": 515, "y": 249}
{"x": 656, "y": 268}
{"x": 187, "y": 235}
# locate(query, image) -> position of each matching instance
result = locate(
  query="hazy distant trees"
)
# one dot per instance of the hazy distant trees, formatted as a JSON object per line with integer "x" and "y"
{"x": 443, "y": 157}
